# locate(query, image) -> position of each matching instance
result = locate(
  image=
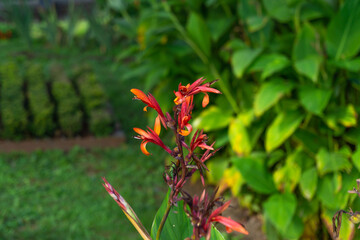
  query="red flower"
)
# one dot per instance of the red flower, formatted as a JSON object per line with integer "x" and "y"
{"x": 186, "y": 91}
{"x": 150, "y": 101}
{"x": 230, "y": 224}
{"x": 199, "y": 140}
{"x": 185, "y": 116}
{"x": 151, "y": 136}
{"x": 202, "y": 215}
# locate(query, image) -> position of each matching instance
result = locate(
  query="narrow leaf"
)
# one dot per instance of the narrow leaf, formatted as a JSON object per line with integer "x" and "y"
{"x": 199, "y": 32}
{"x": 343, "y": 34}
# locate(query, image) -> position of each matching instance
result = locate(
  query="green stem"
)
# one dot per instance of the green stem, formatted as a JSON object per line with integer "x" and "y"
{"x": 163, "y": 220}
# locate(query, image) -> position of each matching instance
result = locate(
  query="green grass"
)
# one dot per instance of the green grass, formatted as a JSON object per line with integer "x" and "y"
{"x": 57, "y": 195}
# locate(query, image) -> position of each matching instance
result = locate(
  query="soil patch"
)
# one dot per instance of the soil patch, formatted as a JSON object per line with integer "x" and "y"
{"x": 61, "y": 143}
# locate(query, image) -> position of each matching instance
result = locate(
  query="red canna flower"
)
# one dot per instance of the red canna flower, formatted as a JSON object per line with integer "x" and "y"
{"x": 202, "y": 215}
{"x": 185, "y": 92}
{"x": 151, "y": 102}
{"x": 151, "y": 136}
{"x": 185, "y": 116}
{"x": 199, "y": 140}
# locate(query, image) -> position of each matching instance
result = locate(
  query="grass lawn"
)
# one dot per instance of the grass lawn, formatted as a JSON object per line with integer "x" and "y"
{"x": 57, "y": 195}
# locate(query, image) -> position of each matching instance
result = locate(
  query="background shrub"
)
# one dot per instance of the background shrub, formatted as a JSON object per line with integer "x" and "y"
{"x": 40, "y": 107}
{"x": 94, "y": 100}
{"x": 69, "y": 114}
{"x": 13, "y": 114}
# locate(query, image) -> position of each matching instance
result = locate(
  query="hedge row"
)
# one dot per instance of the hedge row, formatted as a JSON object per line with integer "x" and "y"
{"x": 40, "y": 107}
{"x": 13, "y": 114}
{"x": 94, "y": 101}
{"x": 32, "y": 105}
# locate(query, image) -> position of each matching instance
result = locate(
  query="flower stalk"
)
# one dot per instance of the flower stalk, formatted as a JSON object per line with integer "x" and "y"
{"x": 188, "y": 159}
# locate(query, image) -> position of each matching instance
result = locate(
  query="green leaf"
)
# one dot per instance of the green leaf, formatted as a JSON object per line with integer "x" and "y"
{"x": 281, "y": 128}
{"x": 295, "y": 228}
{"x": 353, "y": 136}
{"x": 305, "y": 43}
{"x": 255, "y": 174}
{"x": 314, "y": 99}
{"x": 329, "y": 162}
{"x": 310, "y": 140}
{"x": 213, "y": 118}
{"x": 199, "y": 32}
{"x": 216, "y": 168}
{"x": 270, "y": 93}
{"x": 215, "y": 234}
{"x": 288, "y": 176}
{"x": 279, "y": 10}
{"x": 356, "y": 158}
{"x": 256, "y": 22}
{"x": 239, "y": 138}
{"x": 328, "y": 195}
{"x": 242, "y": 59}
{"x": 280, "y": 209}
{"x": 309, "y": 67}
{"x": 347, "y": 116}
{"x": 177, "y": 225}
{"x": 218, "y": 26}
{"x": 343, "y": 34}
{"x": 353, "y": 65}
{"x": 308, "y": 183}
{"x": 347, "y": 230}
{"x": 276, "y": 65}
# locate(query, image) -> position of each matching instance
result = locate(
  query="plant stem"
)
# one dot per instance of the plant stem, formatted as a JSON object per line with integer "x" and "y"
{"x": 163, "y": 220}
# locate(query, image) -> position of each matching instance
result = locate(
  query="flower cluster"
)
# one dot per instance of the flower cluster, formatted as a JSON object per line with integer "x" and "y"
{"x": 189, "y": 156}
{"x": 202, "y": 214}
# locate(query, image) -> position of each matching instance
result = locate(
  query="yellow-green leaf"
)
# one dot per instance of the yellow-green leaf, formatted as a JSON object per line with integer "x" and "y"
{"x": 270, "y": 93}
{"x": 239, "y": 138}
{"x": 281, "y": 128}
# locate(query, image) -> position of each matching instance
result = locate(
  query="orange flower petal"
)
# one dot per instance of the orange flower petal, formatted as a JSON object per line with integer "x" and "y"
{"x": 186, "y": 132}
{"x": 139, "y": 94}
{"x": 145, "y": 108}
{"x": 205, "y": 100}
{"x": 141, "y": 132}
{"x": 157, "y": 126}
{"x": 143, "y": 148}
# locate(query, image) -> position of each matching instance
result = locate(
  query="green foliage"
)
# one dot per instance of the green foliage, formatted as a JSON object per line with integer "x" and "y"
{"x": 101, "y": 122}
{"x": 94, "y": 101}
{"x": 40, "y": 106}
{"x": 13, "y": 114}
{"x": 69, "y": 114}
{"x": 288, "y": 72}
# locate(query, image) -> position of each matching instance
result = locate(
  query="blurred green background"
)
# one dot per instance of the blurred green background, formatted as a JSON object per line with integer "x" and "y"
{"x": 287, "y": 119}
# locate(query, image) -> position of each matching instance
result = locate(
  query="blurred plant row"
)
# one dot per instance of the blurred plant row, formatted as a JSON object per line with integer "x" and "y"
{"x": 289, "y": 74}
{"x": 39, "y": 103}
